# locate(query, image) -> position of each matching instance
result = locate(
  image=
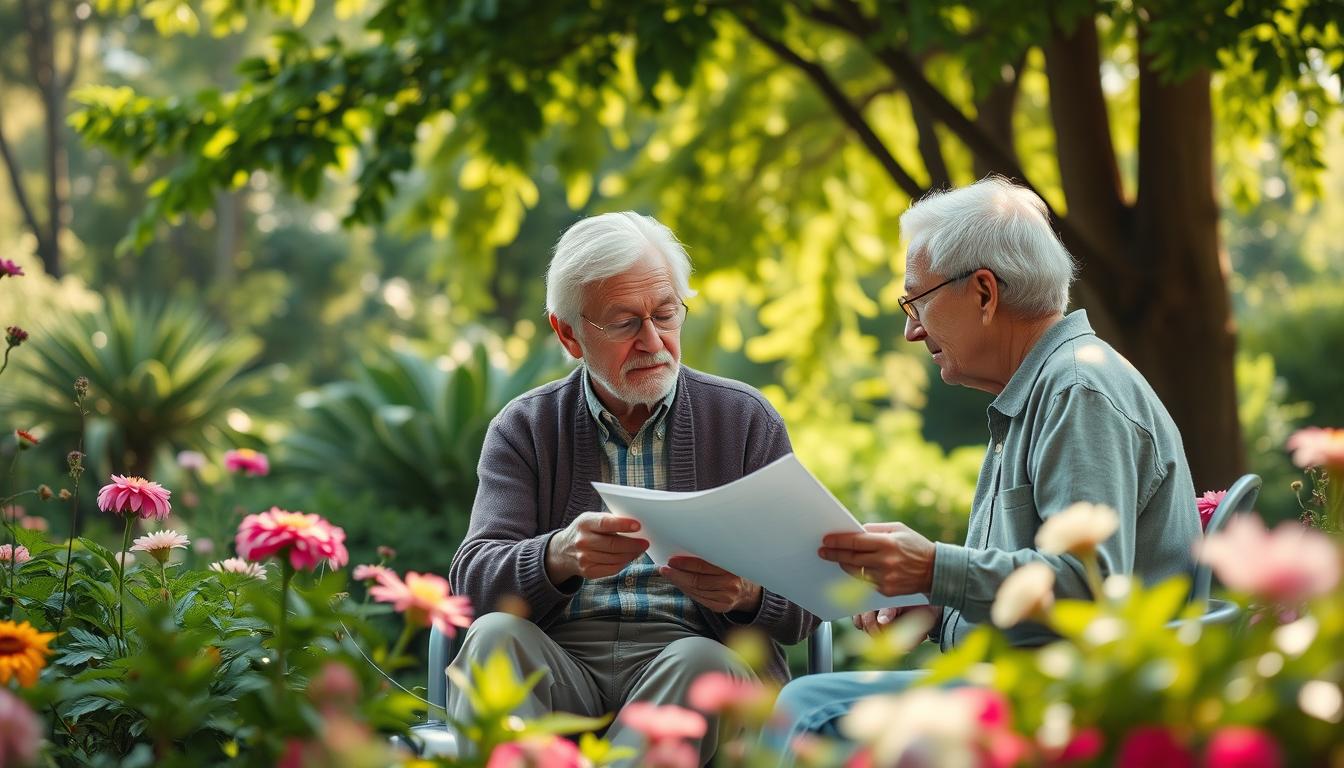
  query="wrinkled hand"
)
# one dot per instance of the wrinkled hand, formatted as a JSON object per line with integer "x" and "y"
{"x": 711, "y": 586}
{"x": 592, "y": 547}
{"x": 895, "y": 558}
{"x": 876, "y": 622}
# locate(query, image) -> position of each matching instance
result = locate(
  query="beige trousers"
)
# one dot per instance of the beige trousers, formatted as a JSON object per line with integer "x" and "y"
{"x": 594, "y": 666}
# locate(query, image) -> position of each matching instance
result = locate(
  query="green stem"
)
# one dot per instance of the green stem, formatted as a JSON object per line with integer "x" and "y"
{"x": 121, "y": 583}
{"x": 167, "y": 590}
{"x": 1334, "y": 507}
{"x": 287, "y": 574}
{"x": 5, "y": 364}
{"x": 407, "y": 631}
{"x": 69, "y": 552}
{"x": 1094, "y": 582}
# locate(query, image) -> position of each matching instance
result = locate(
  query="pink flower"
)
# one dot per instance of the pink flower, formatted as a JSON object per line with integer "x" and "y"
{"x": 1317, "y": 447}
{"x": 1207, "y": 505}
{"x": 308, "y": 539}
{"x": 716, "y": 691}
{"x": 370, "y": 572}
{"x": 159, "y": 543}
{"x": 239, "y": 565}
{"x": 34, "y": 523}
{"x": 191, "y": 460}
{"x": 247, "y": 461}
{"x": 426, "y": 600}
{"x": 1288, "y": 565}
{"x": 135, "y": 494}
{"x": 665, "y": 722}
{"x": 10, "y": 269}
{"x": 20, "y": 732}
{"x": 671, "y": 753}
{"x": 1152, "y": 746}
{"x": 19, "y": 556}
{"x": 539, "y": 752}
{"x": 1240, "y": 746}
{"x": 335, "y": 686}
{"x": 1083, "y": 747}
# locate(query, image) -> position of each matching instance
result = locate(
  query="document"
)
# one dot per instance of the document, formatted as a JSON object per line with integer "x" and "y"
{"x": 765, "y": 527}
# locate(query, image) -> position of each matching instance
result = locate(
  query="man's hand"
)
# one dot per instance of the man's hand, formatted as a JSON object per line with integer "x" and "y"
{"x": 711, "y": 586}
{"x": 592, "y": 547}
{"x": 876, "y": 622}
{"x": 895, "y": 558}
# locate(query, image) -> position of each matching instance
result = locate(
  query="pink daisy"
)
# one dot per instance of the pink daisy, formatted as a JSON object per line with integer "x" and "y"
{"x": 1287, "y": 565}
{"x": 135, "y": 494}
{"x": 239, "y": 565}
{"x": 426, "y": 600}
{"x": 10, "y": 269}
{"x": 717, "y": 691}
{"x": 370, "y": 572}
{"x": 1207, "y": 505}
{"x": 1317, "y": 447}
{"x": 159, "y": 543}
{"x": 247, "y": 461}
{"x": 307, "y": 539}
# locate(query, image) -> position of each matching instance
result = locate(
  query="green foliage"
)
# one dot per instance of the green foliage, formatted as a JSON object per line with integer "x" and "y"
{"x": 161, "y": 375}
{"x": 409, "y": 429}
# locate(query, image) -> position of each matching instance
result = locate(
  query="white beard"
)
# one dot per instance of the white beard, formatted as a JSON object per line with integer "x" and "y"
{"x": 649, "y": 392}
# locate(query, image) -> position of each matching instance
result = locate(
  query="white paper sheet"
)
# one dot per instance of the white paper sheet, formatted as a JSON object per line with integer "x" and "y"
{"x": 765, "y": 527}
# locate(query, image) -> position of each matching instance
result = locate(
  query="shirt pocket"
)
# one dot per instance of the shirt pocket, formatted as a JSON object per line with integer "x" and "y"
{"x": 1017, "y": 498}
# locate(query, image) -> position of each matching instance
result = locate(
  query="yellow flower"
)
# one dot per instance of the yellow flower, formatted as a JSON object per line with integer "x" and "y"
{"x": 23, "y": 652}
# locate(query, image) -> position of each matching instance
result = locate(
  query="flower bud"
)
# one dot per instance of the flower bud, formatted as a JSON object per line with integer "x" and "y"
{"x": 1296, "y": 486}
{"x": 44, "y": 492}
{"x": 26, "y": 439}
{"x": 75, "y": 460}
{"x": 14, "y": 335}
{"x": 81, "y": 387}
{"x": 64, "y": 494}
{"x": 386, "y": 553}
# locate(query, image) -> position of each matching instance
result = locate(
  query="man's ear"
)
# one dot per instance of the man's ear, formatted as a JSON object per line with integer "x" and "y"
{"x": 565, "y": 333}
{"x": 987, "y": 293}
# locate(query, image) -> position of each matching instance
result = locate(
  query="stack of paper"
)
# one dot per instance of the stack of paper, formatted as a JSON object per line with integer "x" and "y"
{"x": 765, "y": 527}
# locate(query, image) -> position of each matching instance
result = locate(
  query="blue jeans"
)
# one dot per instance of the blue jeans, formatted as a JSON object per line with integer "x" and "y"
{"x": 814, "y": 704}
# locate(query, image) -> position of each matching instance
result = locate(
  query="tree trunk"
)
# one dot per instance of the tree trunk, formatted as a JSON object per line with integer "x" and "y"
{"x": 1176, "y": 324}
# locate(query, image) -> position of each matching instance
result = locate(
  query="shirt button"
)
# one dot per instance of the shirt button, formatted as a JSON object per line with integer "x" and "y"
{"x": 998, "y": 447}
{"x": 634, "y": 449}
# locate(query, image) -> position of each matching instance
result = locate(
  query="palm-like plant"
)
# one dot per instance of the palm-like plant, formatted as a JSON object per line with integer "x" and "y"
{"x": 407, "y": 429}
{"x": 160, "y": 374}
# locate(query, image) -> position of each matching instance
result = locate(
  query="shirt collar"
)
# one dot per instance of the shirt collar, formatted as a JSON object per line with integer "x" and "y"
{"x": 604, "y": 417}
{"x": 1014, "y": 396}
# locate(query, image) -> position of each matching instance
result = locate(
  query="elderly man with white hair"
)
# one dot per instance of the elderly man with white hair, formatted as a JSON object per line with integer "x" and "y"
{"x": 987, "y": 288}
{"x": 604, "y": 623}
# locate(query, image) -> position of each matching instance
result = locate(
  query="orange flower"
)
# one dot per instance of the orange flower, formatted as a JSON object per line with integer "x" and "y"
{"x": 23, "y": 652}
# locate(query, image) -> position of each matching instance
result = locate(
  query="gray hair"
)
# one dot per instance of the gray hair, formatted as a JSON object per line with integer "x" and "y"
{"x": 604, "y": 246}
{"x": 997, "y": 225}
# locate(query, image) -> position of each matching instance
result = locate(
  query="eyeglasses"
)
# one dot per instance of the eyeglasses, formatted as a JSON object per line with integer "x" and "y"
{"x": 908, "y": 302}
{"x": 668, "y": 318}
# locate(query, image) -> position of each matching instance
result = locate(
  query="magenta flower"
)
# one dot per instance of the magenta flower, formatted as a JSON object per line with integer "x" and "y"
{"x": 14, "y": 336}
{"x": 426, "y": 600}
{"x": 1290, "y": 564}
{"x": 306, "y": 539}
{"x": 20, "y": 732}
{"x": 548, "y": 751}
{"x": 135, "y": 494}
{"x": 19, "y": 556}
{"x": 1317, "y": 447}
{"x": 1153, "y": 746}
{"x": 663, "y": 723}
{"x": 1241, "y": 746}
{"x": 1207, "y": 505}
{"x": 1084, "y": 746}
{"x": 716, "y": 691}
{"x": 247, "y": 461}
{"x": 10, "y": 269}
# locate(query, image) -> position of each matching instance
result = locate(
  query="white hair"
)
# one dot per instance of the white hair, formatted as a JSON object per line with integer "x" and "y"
{"x": 604, "y": 246}
{"x": 1000, "y": 226}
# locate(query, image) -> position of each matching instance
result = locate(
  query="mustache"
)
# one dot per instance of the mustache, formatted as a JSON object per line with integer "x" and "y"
{"x": 662, "y": 357}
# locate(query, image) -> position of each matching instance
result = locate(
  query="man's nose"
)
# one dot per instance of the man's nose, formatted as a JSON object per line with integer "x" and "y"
{"x": 914, "y": 330}
{"x": 648, "y": 338}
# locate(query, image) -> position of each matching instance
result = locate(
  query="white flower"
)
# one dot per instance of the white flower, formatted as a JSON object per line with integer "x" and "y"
{"x": 1077, "y": 530}
{"x": 159, "y": 543}
{"x": 1026, "y": 592}
{"x": 239, "y": 565}
{"x": 914, "y": 728}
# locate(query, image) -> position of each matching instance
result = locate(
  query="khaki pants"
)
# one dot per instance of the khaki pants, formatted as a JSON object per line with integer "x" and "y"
{"x": 594, "y": 666}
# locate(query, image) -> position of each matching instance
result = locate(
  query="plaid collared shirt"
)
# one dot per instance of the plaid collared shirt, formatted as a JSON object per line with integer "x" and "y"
{"x": 637, "y": 592}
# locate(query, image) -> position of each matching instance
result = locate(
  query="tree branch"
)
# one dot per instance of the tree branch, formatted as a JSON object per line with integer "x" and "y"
{"x": 842, "y": 106}
{"x": 16, "y": 182}
{"x": 76, "y": 44}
